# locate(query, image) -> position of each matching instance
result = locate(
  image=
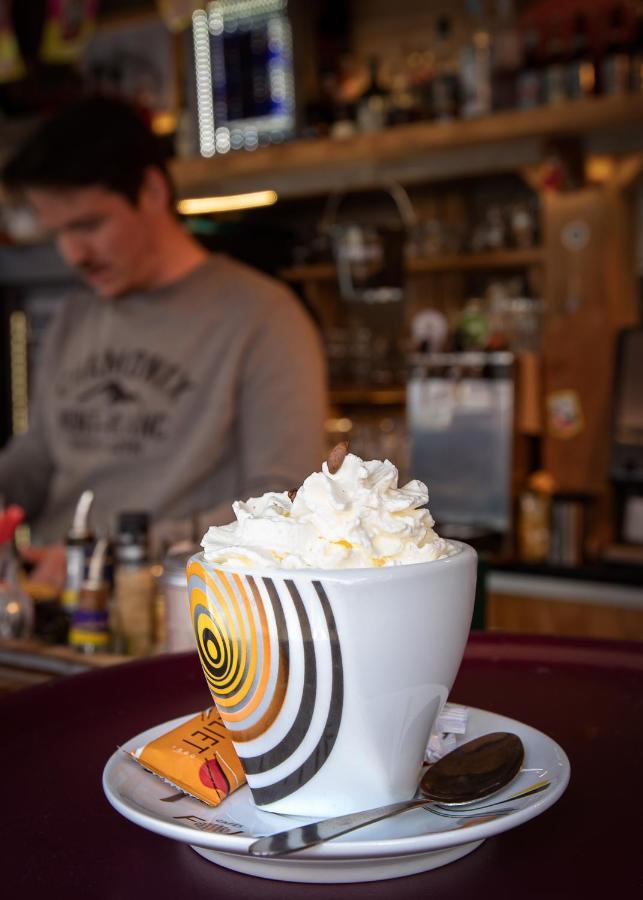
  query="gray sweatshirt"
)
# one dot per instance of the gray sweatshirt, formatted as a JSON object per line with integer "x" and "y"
{"x": 175, "y": 401}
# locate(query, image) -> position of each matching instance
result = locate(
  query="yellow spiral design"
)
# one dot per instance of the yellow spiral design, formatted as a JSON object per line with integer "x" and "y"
{"x": 225, "y": 625}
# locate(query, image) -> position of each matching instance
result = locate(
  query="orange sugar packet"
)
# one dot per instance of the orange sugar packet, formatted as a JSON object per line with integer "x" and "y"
{"x": 197, "y": 758}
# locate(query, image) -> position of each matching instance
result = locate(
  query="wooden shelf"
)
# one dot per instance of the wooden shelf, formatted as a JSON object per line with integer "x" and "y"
{"x": 367, "y": 396}
{"x": 497, "y": 259}
{"x": 500, "y": 259}
{"x": 418, "y": 152}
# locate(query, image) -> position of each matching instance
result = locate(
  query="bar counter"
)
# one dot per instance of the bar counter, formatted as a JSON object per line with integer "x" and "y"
{"x": 60, "y": 835}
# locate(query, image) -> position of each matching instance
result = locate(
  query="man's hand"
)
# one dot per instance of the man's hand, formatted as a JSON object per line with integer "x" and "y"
{"x": 49, "y": 564}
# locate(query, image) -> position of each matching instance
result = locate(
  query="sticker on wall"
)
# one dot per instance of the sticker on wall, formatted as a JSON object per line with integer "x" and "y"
{"x": 11, "y": 65}
{"x": 69, "y": 25}
{"x": 575, "y": 235}
{"x": 564, "y": 414}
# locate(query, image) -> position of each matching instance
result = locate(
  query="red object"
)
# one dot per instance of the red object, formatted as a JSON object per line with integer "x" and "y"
{"x": 211, "y": 776}
{"x": 585, "y": 694}
{"x": 9, "y": 521}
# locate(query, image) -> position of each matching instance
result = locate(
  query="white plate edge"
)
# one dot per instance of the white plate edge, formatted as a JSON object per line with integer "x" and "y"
{"x": 400, "y": 846}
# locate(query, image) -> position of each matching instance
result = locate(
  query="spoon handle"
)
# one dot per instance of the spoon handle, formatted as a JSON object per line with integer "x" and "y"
{"x": 317, "y": 832}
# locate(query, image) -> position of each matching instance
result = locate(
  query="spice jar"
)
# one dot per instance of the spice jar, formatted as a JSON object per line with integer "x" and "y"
{"x": 135, "y": 587}
{"x": 179, "y": 634}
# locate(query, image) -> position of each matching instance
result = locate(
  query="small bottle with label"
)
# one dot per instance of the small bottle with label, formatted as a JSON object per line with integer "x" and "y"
{"x": 534, "y": 518}
{"x": 556, "y": 66}
{"x": 89, "y": 631}
{"x": 135, "y": 586}
{"x": 475, "y": 65}
{"x": 616, "y": 63}
{"x": 373, "y": 105}
{"x": 78, "y": 547}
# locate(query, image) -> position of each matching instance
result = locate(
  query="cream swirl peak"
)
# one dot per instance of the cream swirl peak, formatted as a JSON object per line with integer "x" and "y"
{"x": 351, "y": 515}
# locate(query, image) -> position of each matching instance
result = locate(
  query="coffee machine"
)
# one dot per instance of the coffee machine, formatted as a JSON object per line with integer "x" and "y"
{"x": 460, "y": 409}
{"x": 626, "y": 469}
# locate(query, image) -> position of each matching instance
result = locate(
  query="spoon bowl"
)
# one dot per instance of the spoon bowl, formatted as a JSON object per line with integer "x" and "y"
{"x": 474, "y": 770}
{"x": 471, "y": 772}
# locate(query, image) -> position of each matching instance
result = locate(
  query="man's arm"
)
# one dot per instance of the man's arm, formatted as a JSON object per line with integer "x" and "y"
{"x": 25, "y": 472}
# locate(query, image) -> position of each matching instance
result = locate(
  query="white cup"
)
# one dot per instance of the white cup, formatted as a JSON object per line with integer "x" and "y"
{"x": 330, "y": 680}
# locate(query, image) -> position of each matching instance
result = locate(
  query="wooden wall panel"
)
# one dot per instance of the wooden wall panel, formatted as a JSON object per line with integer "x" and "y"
{"x": 589, "y": 296}
{"x": 533, "y": 615}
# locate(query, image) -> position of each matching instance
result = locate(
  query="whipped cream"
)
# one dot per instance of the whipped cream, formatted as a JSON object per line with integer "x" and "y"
{"x": 355, "y": 517}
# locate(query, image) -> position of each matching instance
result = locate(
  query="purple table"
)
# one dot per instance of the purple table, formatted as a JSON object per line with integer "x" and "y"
{"x": 60, "y": 837}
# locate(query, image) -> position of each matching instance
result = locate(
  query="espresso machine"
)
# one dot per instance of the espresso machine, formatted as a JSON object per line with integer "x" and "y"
{"x": 460, "y": 409}
{"x": 626, "y": 469}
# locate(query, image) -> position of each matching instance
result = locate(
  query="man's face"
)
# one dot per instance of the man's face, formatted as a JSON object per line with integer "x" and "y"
{"x": 100, "y": 234}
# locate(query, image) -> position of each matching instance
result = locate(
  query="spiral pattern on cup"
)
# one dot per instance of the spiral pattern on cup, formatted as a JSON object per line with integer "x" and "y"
{"x": 272, "y": 661}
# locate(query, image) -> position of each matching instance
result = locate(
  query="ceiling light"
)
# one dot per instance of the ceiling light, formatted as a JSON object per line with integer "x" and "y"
{"x": 194, "y": 206}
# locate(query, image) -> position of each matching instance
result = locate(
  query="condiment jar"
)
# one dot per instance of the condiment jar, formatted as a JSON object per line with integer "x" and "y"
{"x": 179, "y": 634}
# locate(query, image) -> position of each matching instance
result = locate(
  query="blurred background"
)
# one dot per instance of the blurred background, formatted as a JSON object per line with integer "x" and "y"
{"x": 454, "y": 190}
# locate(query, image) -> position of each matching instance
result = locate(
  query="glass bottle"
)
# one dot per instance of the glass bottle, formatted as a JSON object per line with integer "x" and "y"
{"x": 506, "y": 58}
{"x": 135, "y": 586}
{"x": 555, "y": 68}
{"x": 89, "y": 632}
{"x": 372, "y": 107}
{"x": 475, "y": 66}
{"x": 615, "y": 66}
{"x": 636, "y": 56}
{"x": 444, "y": 83}
{"x": 78, "y": 547}
{"x": 530, "y": 79}
{"x": 581, "y": 71}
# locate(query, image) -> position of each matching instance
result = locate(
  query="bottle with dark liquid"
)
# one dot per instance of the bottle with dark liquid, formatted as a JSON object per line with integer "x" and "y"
{"x": 555, "y": 68}
{"x": 444, "y": 84}
{"x": 530, "y": 79}
{"x": 636, "y": 56}
{"x": 475, "y": 65}
{"x": 615, "y": 68}
{"x": 506, "y": 54}
{"x": 372, "y": 107}
{"x": 581, "y": 70}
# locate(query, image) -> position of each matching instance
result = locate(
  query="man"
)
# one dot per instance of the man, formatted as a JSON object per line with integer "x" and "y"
{"x": 184, "y": 380}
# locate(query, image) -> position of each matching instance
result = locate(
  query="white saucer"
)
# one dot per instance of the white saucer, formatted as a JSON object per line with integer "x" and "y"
{"x": 404, "y": 845}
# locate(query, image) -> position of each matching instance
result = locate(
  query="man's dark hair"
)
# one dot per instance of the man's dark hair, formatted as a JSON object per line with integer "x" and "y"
{"x": 96, "y": 141}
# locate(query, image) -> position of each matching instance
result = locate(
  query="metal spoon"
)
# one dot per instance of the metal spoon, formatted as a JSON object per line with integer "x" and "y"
{"x": 469, "y": 773}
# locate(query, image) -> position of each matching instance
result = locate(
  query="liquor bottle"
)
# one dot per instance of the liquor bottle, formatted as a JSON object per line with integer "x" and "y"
{"x": 402, "y": 107}
{"x": 615, "y": 66}
{"x": 444, "y": 84}
{"x": 372, "y": 106}
{"x": 636, "y": 56}
{"x": 581, "y": 70}
{"x": 78, "y": 546}
{"x": 420, "y": 68}
{"x": 530, "y": 79}
{"x": 475, "y": 66}
{"x": 555, "y": 68}
{"x": 506, "y": 53}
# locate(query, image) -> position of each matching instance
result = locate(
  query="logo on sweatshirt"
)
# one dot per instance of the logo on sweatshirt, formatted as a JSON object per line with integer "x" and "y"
{"x": 119, "y": 401}
{"x": 111, "y": 391}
